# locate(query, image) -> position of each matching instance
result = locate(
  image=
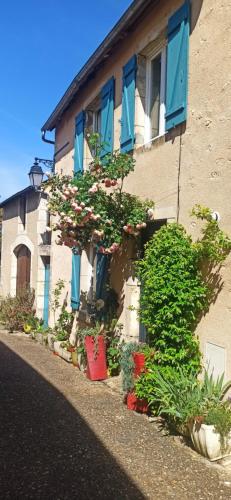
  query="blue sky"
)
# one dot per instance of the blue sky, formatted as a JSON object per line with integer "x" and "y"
{"x": 43, "y": 44}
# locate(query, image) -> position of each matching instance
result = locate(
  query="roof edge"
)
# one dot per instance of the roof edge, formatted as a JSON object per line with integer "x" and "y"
{"x": 109, "y": 41}
{"x": 13, "y": 196}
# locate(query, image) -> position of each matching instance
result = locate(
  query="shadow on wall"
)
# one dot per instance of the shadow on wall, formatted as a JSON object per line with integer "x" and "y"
{"x": 196, "y": 6}
{"x": 122, "y": 268}
{"x": 48, "y": 450}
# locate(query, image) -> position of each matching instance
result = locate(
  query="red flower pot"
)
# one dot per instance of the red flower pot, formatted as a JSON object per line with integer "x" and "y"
{"x": 136, "y": 404}
{"x": 139, "y": 362}
{"x": 96, "y": 358}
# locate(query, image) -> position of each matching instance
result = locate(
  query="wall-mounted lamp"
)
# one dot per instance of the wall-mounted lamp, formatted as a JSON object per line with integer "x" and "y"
{"x": 36, "y": 172}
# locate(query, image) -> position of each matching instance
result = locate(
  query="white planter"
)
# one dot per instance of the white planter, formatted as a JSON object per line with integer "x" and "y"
{"x": 62, "y": 352}
{"x": 50, "y": 339}
{"x": 208, "y": 443}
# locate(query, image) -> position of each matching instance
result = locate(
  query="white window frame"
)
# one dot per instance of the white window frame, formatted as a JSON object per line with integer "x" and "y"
{"x": 148, "y": 138}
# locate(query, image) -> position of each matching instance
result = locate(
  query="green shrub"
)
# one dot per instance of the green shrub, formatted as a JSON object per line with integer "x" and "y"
{"x": 219, "y": 415}
{"x": 173, "y": 294}
{"x": 16, "y": 311}
{"x": 127, "y": 362}
{"x": 63, "y": 326}
{"x": 178, "y": 395}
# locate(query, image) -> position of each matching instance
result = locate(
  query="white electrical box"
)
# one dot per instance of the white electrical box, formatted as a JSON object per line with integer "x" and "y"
{"x": 215, "y": 359}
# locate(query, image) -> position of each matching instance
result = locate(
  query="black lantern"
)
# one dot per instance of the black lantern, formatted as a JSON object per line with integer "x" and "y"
{"x": 36, "y": 175}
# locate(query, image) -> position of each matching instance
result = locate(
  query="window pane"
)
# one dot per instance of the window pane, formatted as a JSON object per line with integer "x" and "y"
{"x": 98, "y": 121}
{"x": 155, "y": 95}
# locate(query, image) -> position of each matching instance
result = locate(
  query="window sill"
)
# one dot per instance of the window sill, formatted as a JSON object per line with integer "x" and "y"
{"x": 155, "y": 142}
{"x": 149, "y": 143}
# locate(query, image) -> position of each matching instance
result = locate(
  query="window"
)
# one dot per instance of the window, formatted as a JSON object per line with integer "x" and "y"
{"x": 155, "y": 96}
{"x": 97, "y": 121}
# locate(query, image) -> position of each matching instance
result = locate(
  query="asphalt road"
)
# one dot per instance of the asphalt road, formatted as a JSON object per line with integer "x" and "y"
{"x": 63, "y": 437}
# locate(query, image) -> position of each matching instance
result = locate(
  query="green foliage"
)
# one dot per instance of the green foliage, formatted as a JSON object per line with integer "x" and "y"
{"x": 175, "y": 291}
{"x": 127, "y": 365}
{"x": 15, "y": 311}
{"x": 89, "y": 331}
{"x": 215, "y": 245}
{"x": 173, "y": 294}
{"x": 92, "y": 206}
{"x": 114, "y": 347}
{"x": 56, "y": 296}
{"x": 219, "y": 415}
{"x": 63, "y": 326}
{"x": 178, "y": 395}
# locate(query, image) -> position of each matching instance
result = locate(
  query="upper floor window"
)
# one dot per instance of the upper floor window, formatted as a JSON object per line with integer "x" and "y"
{"x": 155, "y": 96}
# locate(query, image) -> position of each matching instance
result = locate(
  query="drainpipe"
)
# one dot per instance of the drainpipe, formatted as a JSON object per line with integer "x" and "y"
{"x": 46, "y": 140}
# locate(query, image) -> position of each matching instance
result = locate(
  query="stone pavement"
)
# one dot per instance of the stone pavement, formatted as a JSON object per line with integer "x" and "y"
{"x": 64, "y": 437}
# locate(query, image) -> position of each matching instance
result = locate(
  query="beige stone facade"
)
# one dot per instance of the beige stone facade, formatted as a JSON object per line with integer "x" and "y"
{"x": 188, "y": 165}
{"x": 24, "y": 226}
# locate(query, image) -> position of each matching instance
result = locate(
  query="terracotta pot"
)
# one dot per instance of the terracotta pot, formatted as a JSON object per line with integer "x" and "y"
{"x": 96, "y": 357}
{"x": 139, "y": 362}
{"x": 136, "y": 404}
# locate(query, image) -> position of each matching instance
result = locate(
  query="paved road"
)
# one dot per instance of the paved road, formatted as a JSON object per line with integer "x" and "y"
{"x": 63, "y": 437}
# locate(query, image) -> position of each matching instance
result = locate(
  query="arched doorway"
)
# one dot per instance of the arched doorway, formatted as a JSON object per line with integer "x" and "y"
{"x": 23, "y": 268}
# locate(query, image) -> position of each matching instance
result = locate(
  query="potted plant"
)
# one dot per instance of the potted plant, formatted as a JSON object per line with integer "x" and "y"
{"x": 73, "y": 350}
{"x": 211, "y": 434}
{"x": 113, "y": 346}
{"x": 62, "y": 349}
{"x": 94, "y": 344}
{"x": 130, "y": 371}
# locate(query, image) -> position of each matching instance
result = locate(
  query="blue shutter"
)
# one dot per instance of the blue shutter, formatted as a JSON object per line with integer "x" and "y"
{"x": 79, "y": 142}
{"x": 75, "y": 281}
{"x": 177, "y": 67}
{"x": 46, "y": 293}
{"x": 107, "y": 116}
{"x": 78, "y": 168}
{"x": 127, "y": 138}
{"x": 101, "y": 274}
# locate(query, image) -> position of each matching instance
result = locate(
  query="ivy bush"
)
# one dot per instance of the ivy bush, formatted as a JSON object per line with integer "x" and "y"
{"x": 175, "y": 292}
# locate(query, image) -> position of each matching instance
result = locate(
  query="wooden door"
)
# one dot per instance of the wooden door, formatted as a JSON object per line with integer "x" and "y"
{"x": 23, "y": 269}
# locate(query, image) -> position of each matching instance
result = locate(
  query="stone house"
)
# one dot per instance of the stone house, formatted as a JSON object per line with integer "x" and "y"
{"x": 158, "y": 86}
{"x": 25, "y": 260}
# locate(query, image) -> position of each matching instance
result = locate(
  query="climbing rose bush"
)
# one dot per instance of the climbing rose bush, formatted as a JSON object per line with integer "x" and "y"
{"x": 93, "y": 208}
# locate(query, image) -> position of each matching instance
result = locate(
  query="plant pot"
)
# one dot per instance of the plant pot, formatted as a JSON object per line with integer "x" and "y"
{"x": 50, "y": 340}
{"x": 208, "y": 442}
{"x": 39, "y": 338}
{"x": 62, "y": 352}
{"x": 136, "y": 404}
{"x": 139, "y": 362}
{"x": 74, "y": 357}
{"x": 96, "y": 358}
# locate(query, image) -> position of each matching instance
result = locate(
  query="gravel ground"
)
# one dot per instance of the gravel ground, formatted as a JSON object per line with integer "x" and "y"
{"x": 64, "y": 437}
